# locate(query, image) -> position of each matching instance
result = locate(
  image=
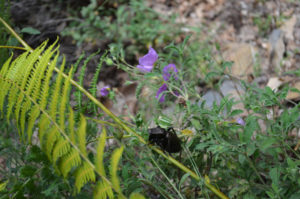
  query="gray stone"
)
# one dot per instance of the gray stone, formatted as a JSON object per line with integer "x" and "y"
{"x": 210, "y": 97}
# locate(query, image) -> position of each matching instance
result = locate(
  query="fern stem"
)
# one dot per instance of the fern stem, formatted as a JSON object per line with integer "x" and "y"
{"x": 102, "y": 122}
{"x": 16, "y": 35}
{"x": 14, "y": 47}
{"x": 115, "y": 118}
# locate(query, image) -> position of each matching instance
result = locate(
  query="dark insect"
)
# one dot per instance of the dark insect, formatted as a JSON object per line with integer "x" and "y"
{"x": 165, "y": 139}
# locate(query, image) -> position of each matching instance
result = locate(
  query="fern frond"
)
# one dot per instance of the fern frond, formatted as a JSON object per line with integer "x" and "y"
{"x": 56, "y": 93}
{"x": 64, "y": 100}
{"x": 38, "y": 86}
{"x": 5, "y": 85}
{"x": 78, "y": 93}
{"x": 69, "y": 161}
{"x": 52, "y": 136}
{"x": 136, "y": 196}
{"x": 100, "y": 153}
{"x": 81, "y": 136}
{"x": 83, "y": 175}
{"x": 28, "y": 84}
{"x": 71, "y": 126}
{"x": 3, "y": 185}
{"x": 114, "y": 167}
{"x": 93, "y": 87}
{"x": 103, "y": 191}
{"x": 43, "y": 126}
{"x": 13, "y": 75}
{"x": 77, "y": 63}
{"x": 33, "y": 115}
{"x": 61, "y": 148}
{"x": 25, "y": 72}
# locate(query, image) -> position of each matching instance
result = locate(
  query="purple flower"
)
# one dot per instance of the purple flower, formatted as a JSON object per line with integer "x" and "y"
{"x": 146, "y": 63}
{"x": 104, "y": 91}
{"x": 240, "y": 121}
{"x": 170, "y": 70}
{"x": 161, "y": 98}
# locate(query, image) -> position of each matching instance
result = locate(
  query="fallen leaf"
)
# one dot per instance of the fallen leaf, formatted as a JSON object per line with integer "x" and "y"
{"x": 274, "y": 83}
{"x": 294, "y": 95}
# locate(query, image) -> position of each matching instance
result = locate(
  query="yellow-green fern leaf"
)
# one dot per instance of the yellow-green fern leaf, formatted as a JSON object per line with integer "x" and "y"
{"x": 24, "y": 109}
{"x": 13, "y": 72}
{"x": 81, "y": 136}
{"x": 71, "y": 126}
{"x": 136, "y": 196}
{"x": 13, "y": 93}
{"x": 52, "y": 136}
{"x": 14, "y": 76}
{"x": 61, "y": 148}
{"x": 64, "y": 100}
{"x": 116, "y": 156}
{"x": 56, "y": 93}
{"x": 34, "y": 89}
{"x": 100, "y": 153}
{"x": 103, "y": 191}
{"x": 5, "y": 85}
{"x": 34, "y": 113}
{"x": 25, "y": 68}
{"x": 3, "y": 185}
{"x": 45, "y": 87}
{"x": 5, "y": 66}
{"x": 83, "y": 175}
{"x": 43, "y": 126}
{"x": 16, "y": 73}
{"x": 68, "y": 161}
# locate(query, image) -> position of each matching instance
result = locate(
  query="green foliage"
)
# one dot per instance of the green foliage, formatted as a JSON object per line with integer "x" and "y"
{"x": 128, "y": 25}
{"x": 259, "y": 159}
{"x": 28, "y": 86}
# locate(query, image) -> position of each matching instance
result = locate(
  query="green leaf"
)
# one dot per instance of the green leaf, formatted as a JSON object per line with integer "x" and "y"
{"x": 275, "y": 175}
{"x": 136, "y": 196}
{"x": 164, "y": 121}
{"x": 27, "y": 171}
{"x": 251, "y": 148}
{"x": 116, "y": 156}
{"x": 3, "y": 185}
{"x": 100, "y": 153}
{"x": 236, "y": 112}
{"x": 183, "y": 179}
{"x": 81, "y": 136}
{"x": 103, "y": 190}
{"x": 196, "y": 123}
{"x": 30, "y": 30}
{"x": 83, "y": 175}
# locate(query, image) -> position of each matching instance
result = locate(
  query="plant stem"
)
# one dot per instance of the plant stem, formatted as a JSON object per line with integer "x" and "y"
{"x": 14, "y": 47}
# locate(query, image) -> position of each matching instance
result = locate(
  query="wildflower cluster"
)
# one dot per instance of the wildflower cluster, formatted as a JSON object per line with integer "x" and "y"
{"x": 146, "y": 64}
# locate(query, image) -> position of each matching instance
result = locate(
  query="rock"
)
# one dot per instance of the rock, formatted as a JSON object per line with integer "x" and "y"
{"x": 234, "y": 90}
{"x": 210, "y": 97}
{"x": 243, "y": 56}
{"x": 229, "y": 87}
{"x": 288, "y": 28}
{"x": 248, "y": 33}
{"x": 277, "y": 49}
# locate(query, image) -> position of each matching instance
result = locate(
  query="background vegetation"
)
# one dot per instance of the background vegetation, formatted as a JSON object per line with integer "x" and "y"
{"x": 243, "y": 146}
